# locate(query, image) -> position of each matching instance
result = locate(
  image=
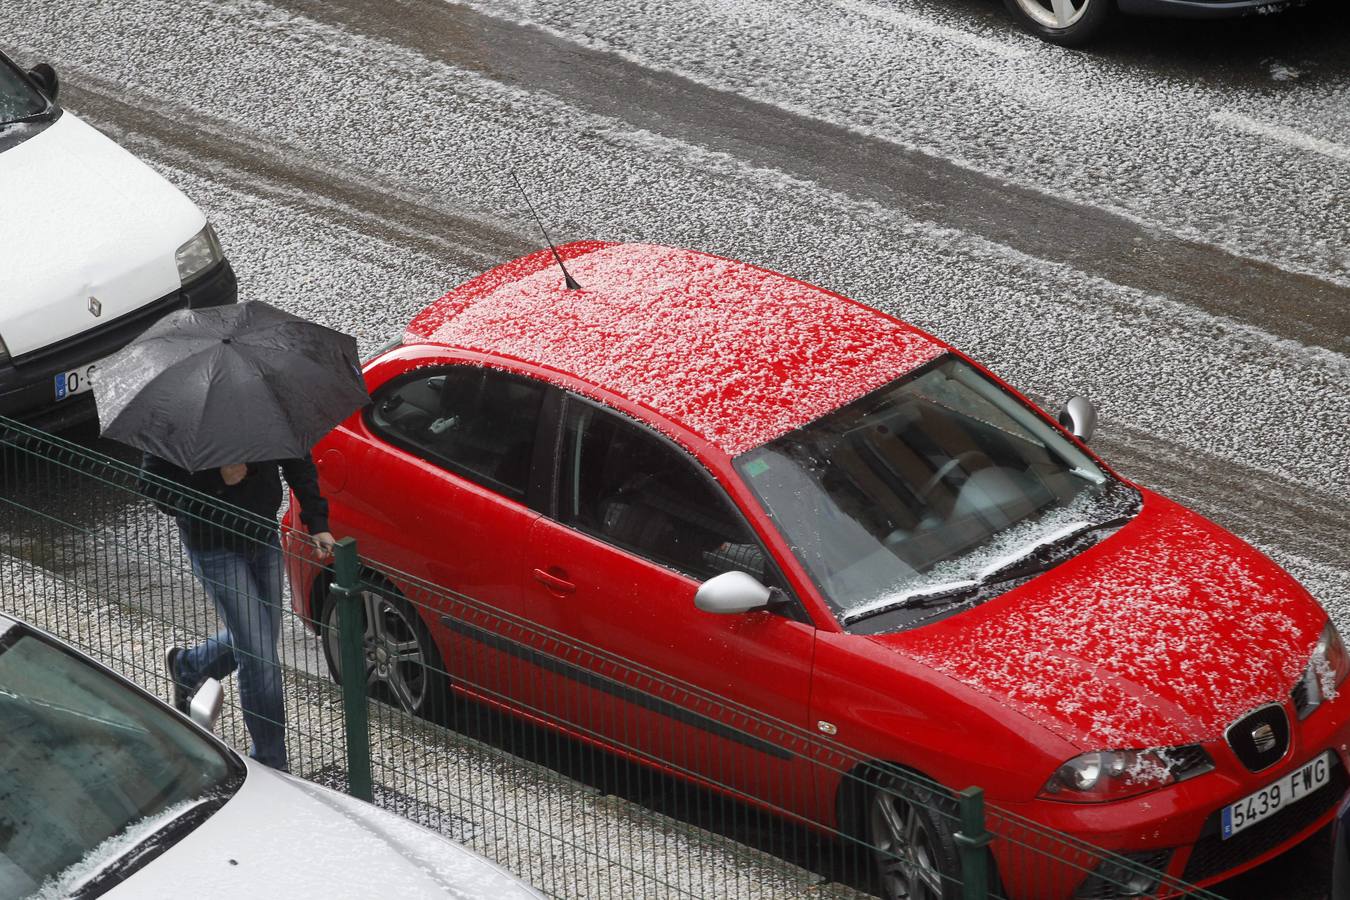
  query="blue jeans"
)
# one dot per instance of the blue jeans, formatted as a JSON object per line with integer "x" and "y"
{"x": 245, "y": 586}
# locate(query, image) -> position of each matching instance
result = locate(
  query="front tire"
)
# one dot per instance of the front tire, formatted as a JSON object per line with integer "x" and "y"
{"x": 1069, "y": 23}
{"x": 911, "y": 831}
{"x": 402, "y": 665}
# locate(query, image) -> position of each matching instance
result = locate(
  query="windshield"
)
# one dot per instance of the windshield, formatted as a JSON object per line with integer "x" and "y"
{"x": 929, "y": 486}
{"x": 89, "y": 769}
{"x": 18, "y": 100}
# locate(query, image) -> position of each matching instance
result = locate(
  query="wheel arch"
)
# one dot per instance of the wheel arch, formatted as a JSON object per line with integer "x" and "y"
{"x": 322, "y": 584}
{"x": 864, "y": 776}
{"x": 855, "y": 784}
{"x": 311, "y": 607}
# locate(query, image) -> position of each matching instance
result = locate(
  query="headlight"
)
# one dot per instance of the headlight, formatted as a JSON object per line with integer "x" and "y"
{"x": 198, "y": 254}
{"x": 1327, "y": 668}
{"x": 1106, "y": 775}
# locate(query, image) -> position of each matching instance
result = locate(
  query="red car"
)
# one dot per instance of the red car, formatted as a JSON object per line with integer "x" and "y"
{"x": 789, "y": 500}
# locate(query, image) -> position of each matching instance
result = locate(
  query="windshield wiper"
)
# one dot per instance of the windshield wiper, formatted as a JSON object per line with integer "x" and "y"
{"x": 923, "y": 598}
{"x": 128, "y": 863}
{"x": 31, "y": 117}
{"x": 1041, "y": 555}
{"x": 1036, "y": 559}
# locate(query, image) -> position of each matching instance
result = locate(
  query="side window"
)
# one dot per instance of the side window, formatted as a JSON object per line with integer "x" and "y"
{"x": 624, "y": 484}
{"x": 478, "y": 423}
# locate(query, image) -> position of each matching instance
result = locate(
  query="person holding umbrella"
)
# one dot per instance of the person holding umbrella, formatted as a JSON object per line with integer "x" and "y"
{"x": 226, "y": 402}
{"x": 237, "y": 559}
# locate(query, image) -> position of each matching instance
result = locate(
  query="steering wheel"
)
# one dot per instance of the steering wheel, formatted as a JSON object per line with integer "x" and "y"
{"x": 956, "y": 462}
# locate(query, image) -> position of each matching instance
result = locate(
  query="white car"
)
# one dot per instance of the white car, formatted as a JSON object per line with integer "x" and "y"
{"x": 107, "y": 791}
{"x": 94, "y": 247}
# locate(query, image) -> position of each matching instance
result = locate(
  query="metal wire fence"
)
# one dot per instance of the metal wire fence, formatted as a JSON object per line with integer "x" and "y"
{"x": 587, "y": 774}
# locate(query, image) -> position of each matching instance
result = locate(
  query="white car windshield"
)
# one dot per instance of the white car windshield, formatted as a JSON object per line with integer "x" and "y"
{"x": 927, "y": 489}
{"x": 93, "y": 775}
{"x": 18, "y": 100}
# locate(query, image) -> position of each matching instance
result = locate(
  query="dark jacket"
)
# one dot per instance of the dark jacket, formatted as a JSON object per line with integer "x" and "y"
{"x": 256, "y": 499}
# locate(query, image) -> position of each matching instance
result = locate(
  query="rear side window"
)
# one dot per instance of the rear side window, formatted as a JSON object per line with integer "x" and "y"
{"x": 626, "y": 485}
{"x": 478, "y": 423}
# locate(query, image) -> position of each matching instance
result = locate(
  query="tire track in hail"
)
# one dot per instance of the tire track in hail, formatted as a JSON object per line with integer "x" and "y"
{"x": 288, "y": 175}
{"x": 1292, "y": 305}
{"x": 1261, "y": 507}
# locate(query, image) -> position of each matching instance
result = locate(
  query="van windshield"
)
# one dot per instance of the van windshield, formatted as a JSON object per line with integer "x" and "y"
{"x": 935, "y": 487}
{"x": 18, "y": 99}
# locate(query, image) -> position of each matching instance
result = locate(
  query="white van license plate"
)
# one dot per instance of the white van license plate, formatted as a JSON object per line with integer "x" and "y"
{"x": 1277, "y": 795}
{"x": 76, "y": 381}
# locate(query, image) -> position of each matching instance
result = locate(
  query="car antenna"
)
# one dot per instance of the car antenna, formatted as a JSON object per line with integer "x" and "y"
{"x": 567, "y": 276}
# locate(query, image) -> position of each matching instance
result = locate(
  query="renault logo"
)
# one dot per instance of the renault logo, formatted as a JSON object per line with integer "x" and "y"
{"x": 95, "y": 308}
{"x": 1263, "y": 736}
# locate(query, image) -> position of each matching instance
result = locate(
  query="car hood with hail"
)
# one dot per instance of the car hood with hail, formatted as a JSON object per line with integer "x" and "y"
{"x": 88, "y": 233}
{"x": 1161, "y": 635}
{"x": 279, "y": 836}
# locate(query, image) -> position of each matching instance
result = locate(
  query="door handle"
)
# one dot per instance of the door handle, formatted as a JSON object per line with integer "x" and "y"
{"x": 555, "y": 583}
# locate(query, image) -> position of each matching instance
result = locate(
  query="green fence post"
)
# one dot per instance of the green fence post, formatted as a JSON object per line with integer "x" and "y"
{"x": 347, "y": 592}
{"x": 971, "y": 840}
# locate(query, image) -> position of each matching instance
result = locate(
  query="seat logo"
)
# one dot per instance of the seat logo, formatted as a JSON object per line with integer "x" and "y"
{"x": 95, "y": 308}
{"x": 1263, "y": 736}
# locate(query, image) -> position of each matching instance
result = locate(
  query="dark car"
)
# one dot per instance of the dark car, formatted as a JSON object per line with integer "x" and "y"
{"x": 1074, "y": 23}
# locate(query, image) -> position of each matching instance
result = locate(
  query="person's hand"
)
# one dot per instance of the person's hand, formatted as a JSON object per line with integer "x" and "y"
{"x": 233, "y": 473}
{"x": 324, "y": 543}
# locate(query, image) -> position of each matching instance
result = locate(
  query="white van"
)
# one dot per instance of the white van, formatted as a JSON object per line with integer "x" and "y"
{"x": 94, "y": 248}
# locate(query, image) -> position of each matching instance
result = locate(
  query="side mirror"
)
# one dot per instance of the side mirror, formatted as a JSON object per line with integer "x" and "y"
{"x": 1079, "y": 416}
{"x": 205, "y": 707}
{"x": 731, "y": 593}
{"x": 45, "y": 78}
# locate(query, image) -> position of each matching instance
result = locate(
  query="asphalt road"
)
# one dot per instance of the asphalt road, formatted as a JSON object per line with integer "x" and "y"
{"x": 1160, "y": 224}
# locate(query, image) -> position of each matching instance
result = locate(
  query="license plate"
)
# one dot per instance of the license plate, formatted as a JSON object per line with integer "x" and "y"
{"x": 1277, "y": 795}
{"x": 76, "y": 381}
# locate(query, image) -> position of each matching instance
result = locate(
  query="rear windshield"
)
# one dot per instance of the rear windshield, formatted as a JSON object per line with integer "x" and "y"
{"x": 18, "y": 99}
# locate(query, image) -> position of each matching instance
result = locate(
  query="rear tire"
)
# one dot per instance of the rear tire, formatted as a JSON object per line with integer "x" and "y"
{"x": 402, "y": 665}
{"x": 1069, "y": 23}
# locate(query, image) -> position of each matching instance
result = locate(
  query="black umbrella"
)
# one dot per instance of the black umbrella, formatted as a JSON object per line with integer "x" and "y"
{"x": 230, "y": 384}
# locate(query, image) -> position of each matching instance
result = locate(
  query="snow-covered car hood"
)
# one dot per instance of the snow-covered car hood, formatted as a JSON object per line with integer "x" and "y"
{"x": 82, "y": 218}
{"x": 281, "y": 836}
{"x": 1161, "y": 635}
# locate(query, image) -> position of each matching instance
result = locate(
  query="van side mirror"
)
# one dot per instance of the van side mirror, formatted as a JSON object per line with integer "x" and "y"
{"x": 44, "y": 76}
{"x": 1079, "y": 417}
{"x": 731, "y": 593}
{"x": 205, "y": 706}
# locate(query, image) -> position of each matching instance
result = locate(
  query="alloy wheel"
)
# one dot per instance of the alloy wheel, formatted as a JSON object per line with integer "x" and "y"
{"x": 394, "y": 662}
{"x": 904, "y": 848}
{"x": 1055, "y": 13}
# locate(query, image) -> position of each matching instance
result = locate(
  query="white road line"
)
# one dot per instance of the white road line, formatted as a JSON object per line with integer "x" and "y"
{"x": 1282, "y": 134}
{"x": 919, "y": 25}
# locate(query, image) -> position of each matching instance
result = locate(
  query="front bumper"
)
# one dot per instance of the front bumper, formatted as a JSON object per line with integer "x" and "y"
{"x": 1177, "y": 829}
{"x": 27, "y": 391}
{"x": 1202, "y": 9}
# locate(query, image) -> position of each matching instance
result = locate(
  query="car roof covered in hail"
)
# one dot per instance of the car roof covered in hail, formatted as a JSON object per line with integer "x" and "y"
{"x": 736, "y": 354}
